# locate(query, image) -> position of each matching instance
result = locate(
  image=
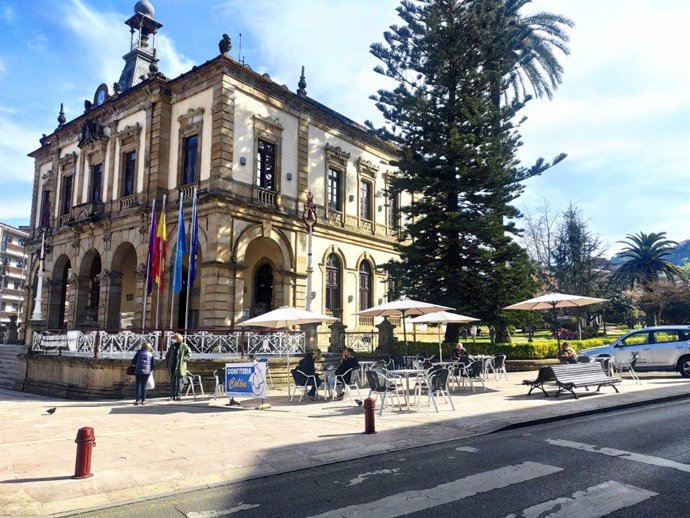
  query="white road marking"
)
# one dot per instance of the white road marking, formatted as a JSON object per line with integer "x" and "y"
{"x": 409, "y": 502}
{"x": 224, "y": 512}
{"x": 594, "y": 502}
{"x": 361, "y": 478}
{"x": 469, "y": 449}
{"x": 628, "y": 455}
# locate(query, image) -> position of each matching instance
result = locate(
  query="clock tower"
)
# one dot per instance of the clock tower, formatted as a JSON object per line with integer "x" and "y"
{"x": 140, "y": 61}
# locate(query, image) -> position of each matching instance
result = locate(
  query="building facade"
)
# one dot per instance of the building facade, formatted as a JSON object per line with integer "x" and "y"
{"x": 254, "y": 150}
{"x": 13, "y": 264}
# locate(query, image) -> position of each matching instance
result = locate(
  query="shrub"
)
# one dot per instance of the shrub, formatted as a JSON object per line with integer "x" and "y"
{"x": 537, "y": 350}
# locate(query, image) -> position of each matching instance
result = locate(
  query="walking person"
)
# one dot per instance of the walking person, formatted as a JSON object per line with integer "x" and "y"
{"x": 473, "y": 333}
{"x": 176, "y": 361}
{"x": 144, "y": 362}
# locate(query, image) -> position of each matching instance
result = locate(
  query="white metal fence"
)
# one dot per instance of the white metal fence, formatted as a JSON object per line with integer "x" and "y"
{"x": 204, "y": 344}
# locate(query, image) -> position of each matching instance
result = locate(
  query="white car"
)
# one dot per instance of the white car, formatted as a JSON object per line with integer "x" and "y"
{"x": 661, "y": 348}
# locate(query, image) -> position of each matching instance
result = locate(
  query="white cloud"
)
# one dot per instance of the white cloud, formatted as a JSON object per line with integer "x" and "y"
{"x": 3, "y": 68}
{"x": 172, "y": 62}
{"x": 105, "y": 40}
{"x": 330, "y": 38}
{"x": 16, "y": 166}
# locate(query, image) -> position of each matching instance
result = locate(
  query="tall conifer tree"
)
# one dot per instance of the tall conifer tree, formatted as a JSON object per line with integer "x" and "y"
{"x": 458, "y": 156}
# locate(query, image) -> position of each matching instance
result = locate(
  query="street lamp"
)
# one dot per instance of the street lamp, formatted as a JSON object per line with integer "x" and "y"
{"x": 309, "y": 218}
{"x": 38, "y": 313}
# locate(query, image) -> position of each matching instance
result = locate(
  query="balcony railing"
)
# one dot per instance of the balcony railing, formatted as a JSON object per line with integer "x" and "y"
{"x": 365, "y": 321}
{"x": 87, "y": 211}
{"x": 127, "y": 202}
{"x": 186, "y": 192}
{"x": 335, "y": 216}
{"x": 361, "y": 342}
{"x": 366, "y": 224}
{"x": 204, "y": 344}
{"x": 266, "y": 196}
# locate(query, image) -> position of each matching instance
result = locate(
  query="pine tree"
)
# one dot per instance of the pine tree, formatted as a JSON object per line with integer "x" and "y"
{"x": 458, "y": 157}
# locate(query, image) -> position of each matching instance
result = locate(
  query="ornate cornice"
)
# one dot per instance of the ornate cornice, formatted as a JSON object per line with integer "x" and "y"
{"x": 129, "y": 132}
{"x": 68, "y": 162}
{"x": 367, "y": 167}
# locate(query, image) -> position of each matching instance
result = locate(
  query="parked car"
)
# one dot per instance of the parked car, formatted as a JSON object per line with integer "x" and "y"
{"x": 660, "y": 348}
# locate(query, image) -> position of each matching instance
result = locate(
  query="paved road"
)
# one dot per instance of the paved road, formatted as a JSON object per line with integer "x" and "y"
{"x": 634, "y": 463}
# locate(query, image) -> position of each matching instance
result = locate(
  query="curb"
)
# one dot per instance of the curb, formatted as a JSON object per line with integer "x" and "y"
{"x": 514, "y": 426}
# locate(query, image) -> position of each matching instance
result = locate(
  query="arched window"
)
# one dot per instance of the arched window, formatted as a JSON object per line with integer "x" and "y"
{"x": 334, "y": 275}
{"x": 364, "y": 285}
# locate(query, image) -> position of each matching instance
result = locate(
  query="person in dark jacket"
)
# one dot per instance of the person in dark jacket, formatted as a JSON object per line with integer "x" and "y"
{"x": 176, "y": 360}
{"x": 459, "y": 352}
{"x": 144, "y": 362}
{"x": 346, "y": 368}
{"x": 306, "y": 365}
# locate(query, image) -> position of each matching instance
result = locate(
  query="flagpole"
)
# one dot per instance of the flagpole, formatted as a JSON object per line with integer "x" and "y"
{"x": 160, "y": 258}
{"x": 153, "y": 227}
{"x": 174, "y": 277}
{"x": 172, "y": 290}
{"x": 192, "y": 230}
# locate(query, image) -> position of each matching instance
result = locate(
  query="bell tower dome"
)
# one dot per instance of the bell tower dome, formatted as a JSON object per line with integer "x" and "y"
{"x": 141, "y": 59}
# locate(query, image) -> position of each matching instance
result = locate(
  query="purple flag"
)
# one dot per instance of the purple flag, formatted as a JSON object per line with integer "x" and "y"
{"x": 152, "y": 249}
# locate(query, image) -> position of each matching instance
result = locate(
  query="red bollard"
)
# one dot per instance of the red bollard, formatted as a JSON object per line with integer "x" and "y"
{"x": 369, "y": 415}
{"x": 85, "y": 440}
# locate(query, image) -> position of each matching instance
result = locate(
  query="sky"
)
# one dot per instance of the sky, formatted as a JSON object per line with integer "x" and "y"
{"x": 622, "y": 113}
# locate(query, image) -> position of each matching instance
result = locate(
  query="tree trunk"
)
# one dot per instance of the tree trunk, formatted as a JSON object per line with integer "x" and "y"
{"x": 502, "y": 334}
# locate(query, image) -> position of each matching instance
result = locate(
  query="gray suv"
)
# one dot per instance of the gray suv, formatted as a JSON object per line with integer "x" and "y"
{"x": 662, "y": 348}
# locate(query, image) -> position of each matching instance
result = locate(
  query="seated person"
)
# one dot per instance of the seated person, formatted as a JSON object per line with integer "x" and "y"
{"x": 349, "y": 363}
{"x": 398, "y": 360}
{"x": 459, "y": 352}
{"x": 567, "y": 353}
{"x": 306, "y": 365}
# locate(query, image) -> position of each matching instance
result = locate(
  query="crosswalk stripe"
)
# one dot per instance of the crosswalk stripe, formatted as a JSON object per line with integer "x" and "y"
{"x": 221, "y": 512}
{"x": 628, "y": 455}
{"x": 409, "y": 502}
{"x": 594, "y": 502}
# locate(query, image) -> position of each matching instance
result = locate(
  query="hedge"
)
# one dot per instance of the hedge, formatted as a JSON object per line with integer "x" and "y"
{"x": 537, "y": 350}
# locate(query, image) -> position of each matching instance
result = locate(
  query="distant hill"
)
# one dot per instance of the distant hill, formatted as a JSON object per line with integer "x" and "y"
{"x": 680, "y": 256}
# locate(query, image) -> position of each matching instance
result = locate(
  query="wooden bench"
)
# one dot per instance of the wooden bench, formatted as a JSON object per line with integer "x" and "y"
{"x": 545, "y": 374}
{"x": 577, "y": 375}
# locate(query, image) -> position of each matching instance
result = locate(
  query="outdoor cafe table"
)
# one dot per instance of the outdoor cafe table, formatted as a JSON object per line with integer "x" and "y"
{"x": 407, "y": 373}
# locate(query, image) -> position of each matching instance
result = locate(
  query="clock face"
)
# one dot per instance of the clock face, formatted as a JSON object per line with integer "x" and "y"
{"x": 101, "y": 95}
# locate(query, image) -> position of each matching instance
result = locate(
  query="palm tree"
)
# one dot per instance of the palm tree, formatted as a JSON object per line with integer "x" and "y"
{"x": 528, "y": 51}
{"x": 646, "y": 261}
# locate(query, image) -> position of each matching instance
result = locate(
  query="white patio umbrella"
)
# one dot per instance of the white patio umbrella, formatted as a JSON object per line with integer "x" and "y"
{"x": 555, "y": 300}
{"x": 402, "y": 308}
{"x": 286, "y": 316}
{"x": 442, "y": 317}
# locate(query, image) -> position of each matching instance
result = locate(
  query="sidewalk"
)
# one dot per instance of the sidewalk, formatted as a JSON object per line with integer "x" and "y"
{"x": 147, "y": 451}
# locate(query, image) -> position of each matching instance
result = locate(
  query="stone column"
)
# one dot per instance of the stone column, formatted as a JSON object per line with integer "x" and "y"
{"x": 110, "y": 284}
{"x": 215, "y": 281}
{"x": 337, "y": 335}
{"x": 71, "y": 313}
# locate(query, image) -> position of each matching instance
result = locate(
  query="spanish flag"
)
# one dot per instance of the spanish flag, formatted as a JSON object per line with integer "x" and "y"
{"x": 160, "y": 251}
